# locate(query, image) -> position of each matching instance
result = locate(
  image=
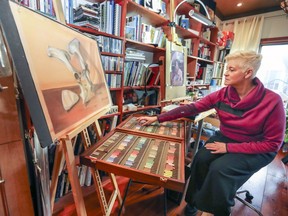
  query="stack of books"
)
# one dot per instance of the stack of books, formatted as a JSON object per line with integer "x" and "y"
{"x": 134, "y": 55}
{"x": 87, "y": 16}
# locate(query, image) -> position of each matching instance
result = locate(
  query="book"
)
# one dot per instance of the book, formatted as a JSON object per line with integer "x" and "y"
{"x": 146, "y": 33}
{"x": 154, "y": 73}
{"x": 184, "y": 23}
{"x": 103, "y": 16}
{"x": 130, "y": 32}
{"x": 117, "y": 19}
{"x": 135, "y": 21}
{"x": 163, "y": 9}
{"x": 208, "y": 73}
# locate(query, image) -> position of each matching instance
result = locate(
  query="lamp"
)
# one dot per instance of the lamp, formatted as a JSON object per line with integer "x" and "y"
{"x": 284, "y": 5}
{"x": 200, "y": 18}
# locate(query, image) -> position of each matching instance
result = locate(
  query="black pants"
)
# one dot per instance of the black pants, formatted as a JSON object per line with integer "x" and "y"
{"x": 215, "y": 178}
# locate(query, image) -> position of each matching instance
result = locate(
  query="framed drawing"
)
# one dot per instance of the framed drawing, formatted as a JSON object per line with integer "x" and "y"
{"x": 208, "y": 74}
{"x": 59, "y": 70}
{"x": 176, "y": 69}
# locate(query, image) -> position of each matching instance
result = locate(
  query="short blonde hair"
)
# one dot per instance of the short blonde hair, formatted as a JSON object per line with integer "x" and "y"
{"x": 249, "y": 59}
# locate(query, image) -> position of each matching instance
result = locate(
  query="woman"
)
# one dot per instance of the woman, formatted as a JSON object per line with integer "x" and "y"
{"x": 252, "y": 124}
{"x": 177, "y": 74}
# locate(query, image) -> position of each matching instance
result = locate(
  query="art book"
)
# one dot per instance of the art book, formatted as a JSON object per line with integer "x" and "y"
{"x": 130, "y": 32}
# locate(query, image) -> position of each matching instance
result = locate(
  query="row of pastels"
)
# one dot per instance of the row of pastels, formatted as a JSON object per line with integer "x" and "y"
{"x": 165, "y": 128}
{"x": 137, "y": 152}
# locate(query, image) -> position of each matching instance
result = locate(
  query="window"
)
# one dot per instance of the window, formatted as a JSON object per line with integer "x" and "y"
{"x": 274, "y": 68}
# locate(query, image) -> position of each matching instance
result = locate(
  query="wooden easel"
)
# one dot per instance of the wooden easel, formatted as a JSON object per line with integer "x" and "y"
{"x": 65, "y": 148}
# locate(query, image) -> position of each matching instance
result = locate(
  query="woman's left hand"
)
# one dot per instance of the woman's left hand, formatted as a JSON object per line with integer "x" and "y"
{"x": 216, "y": 147}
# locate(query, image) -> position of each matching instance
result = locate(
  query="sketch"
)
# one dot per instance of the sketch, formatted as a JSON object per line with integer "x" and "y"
{"x": 66, "y": 71}
{"x": 177, "y": 70}
{"x": 82, "y": 77}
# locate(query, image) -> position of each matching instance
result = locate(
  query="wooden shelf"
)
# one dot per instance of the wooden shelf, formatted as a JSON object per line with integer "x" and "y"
{"x": 142, "y": 46}
{"x": 110, "y": 115}
{"x": 207, "y": 41}
{"x": 93, "y": 31}
{"x": 114, "y": 72}
{"x": 185, "y": 33}
{"x": 200, "y": 59}
{"x": 112, "y": 54}
{"x": 150, "y": 16}
{"x": 115, "y": 89}
{"x": 140, "y": 87}
{"x": 142, "y": 108}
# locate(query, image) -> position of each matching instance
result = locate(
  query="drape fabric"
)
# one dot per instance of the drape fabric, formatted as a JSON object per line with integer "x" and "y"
{"x": 247, "y": 33}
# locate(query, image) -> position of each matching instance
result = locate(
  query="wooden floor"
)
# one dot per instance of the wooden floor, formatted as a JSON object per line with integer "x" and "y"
{"x": 269, "y": 187}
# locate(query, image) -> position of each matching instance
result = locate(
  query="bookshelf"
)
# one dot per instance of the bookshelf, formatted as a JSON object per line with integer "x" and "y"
{"x": 201, "y": 43}
{"x": 150, "y": 44}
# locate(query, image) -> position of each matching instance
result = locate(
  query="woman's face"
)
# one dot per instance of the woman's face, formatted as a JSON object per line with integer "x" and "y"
{"x": 234, "y": 73}
{"x": 176, "y": 66}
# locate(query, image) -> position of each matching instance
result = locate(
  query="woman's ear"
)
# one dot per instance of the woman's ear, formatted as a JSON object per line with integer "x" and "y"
{"x": 249, "y": 73}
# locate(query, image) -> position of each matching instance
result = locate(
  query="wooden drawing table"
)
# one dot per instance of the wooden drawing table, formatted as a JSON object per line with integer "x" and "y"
{"x": 153, "y": 154}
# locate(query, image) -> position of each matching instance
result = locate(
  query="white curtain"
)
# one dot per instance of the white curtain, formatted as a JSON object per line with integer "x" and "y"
{"x": 247, "y": 33}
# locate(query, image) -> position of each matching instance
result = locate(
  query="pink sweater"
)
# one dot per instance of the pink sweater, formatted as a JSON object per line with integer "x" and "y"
{"x": 256, "y": 123}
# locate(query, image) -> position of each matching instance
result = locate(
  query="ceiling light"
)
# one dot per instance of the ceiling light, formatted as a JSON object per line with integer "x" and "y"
{"x": 239, "y": 4}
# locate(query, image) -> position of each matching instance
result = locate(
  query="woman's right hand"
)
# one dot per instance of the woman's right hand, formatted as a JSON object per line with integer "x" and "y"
{"x": 146, "y": 120}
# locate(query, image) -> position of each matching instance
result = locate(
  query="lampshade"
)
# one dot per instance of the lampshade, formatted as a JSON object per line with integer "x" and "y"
{"x": 284, "y": 5}
{"x": 201, "y": 18}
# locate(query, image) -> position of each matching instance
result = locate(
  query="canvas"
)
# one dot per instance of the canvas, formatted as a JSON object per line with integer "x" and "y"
{"x": 64, "y": 71}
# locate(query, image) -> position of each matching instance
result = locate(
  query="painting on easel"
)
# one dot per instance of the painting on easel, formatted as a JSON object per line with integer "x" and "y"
{"x": 66, "y": 71}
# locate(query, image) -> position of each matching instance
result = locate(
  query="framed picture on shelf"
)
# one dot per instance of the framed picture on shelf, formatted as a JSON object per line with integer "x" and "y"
{"x": 176, "y": 67}
{"x": 184, "y": 23}
{"x": 177, "y": 70}
{"x": 153, "y": 5}
{"x": 59, "y": 70}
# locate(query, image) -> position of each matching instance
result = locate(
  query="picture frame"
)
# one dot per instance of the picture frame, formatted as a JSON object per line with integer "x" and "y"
{"x": 153, "y": 5}
{"x": 177, "y": 68}
{"x": 174, "y": 51}
{"x": 59, "y": 71}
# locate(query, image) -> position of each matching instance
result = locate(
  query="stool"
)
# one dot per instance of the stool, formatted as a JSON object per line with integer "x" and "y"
{"x": 247, "y": 201}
